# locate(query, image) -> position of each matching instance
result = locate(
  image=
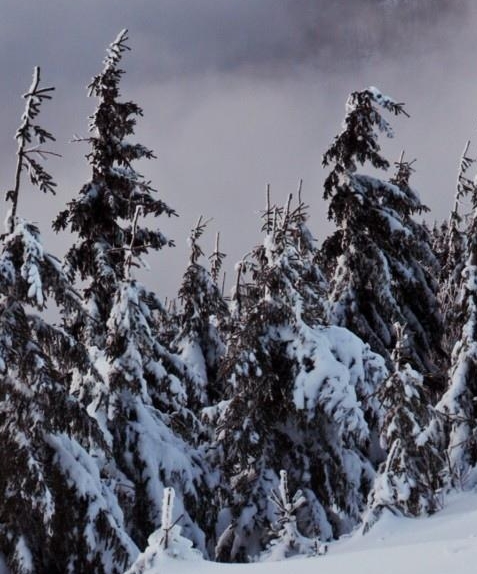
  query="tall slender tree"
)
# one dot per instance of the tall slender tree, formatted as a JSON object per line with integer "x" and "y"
{"x": 453, "y": 252}
{"x": 141, "y": 396}
{"x": 458, "y": 404}
{"x": 202, "y": 319}
{"x": 56, "y": 513}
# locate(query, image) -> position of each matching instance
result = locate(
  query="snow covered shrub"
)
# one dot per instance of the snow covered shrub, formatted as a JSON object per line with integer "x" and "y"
{"x": 165, "y": 543}
{"x": 286, "y": 539}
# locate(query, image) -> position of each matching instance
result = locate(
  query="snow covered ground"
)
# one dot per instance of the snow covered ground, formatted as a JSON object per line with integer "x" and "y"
{"x": 441, "y": 544}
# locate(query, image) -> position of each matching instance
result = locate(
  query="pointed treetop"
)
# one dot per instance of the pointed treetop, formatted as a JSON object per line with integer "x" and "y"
{"x": 216, "y": 259}
{"x": 114, "y": 53}
{"x": 270, "y": 214}
{"x": 195, "y": 234}
{"x": 357, "y": 142}
{"x": 116, "y": 49}
{"x": 466, "y": 163}
{"x": 465, "y": 185}
{"x": 466, "y": 189}
{"x": 404, "y": 170}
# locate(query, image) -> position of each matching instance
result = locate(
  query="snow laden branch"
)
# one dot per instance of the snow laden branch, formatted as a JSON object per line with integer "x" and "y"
{"x": 129, "y": 259}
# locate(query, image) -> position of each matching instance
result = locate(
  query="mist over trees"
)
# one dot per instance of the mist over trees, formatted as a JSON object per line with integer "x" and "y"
{"x": 335, "y": 383}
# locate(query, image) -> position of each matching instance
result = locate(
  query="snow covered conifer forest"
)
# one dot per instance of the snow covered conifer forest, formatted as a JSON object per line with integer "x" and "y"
{"x": 335, "y": 384}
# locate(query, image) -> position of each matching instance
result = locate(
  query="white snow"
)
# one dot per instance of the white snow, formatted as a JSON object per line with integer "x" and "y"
{"x": 441, "y": 544}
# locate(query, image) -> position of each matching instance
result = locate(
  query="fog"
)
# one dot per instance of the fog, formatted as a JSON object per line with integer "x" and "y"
{"x": 238, "y": 94}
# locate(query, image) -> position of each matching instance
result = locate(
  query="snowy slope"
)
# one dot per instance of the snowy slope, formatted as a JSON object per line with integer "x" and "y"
{"x": 441, "y": 544}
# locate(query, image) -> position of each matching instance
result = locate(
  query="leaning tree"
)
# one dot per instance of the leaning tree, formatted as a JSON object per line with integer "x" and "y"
{"x": 379, "y": 257}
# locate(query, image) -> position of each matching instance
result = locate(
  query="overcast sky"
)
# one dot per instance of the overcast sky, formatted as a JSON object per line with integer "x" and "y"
{"x": 240, "y": 93}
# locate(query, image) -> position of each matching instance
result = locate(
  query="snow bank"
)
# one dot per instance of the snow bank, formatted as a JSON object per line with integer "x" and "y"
{"x": 441, "y": 544}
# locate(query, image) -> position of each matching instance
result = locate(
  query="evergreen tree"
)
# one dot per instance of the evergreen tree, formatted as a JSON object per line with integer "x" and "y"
{"x": 413, "y": 256}
{"x": 110, "y": 198}
{"x": 141, "y": 396}
{"x": 57, "y": 514}
{"x": 410, "y": 479}
{"x": 292, "y": 400}
{"x": 458, "y": 403}
{"x": 202, "y": 320}
{"x": 380, "y": 258}
{"x": 453, "y": 254}
{"x": 150, "y": 429}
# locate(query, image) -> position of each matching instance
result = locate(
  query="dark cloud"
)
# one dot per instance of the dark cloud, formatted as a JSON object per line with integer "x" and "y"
{"x": 189, "y": 36}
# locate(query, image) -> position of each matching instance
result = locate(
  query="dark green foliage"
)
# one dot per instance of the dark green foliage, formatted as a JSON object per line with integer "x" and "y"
{"x": 381, "y": 265}
{"x": 113, "y": 195}
{"x": 202, "y": 323}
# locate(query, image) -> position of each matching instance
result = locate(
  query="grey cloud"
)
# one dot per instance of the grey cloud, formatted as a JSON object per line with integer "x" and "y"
{"x": 240, "y": 93}
{"x": 177, "y": 37}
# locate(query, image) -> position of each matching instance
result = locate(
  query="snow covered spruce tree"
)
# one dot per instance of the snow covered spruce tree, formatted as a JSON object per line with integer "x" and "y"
{"x": 380, "y": 262}
{"x": 410, "y": 479}
{"x": 112, "y": 196}
{"x": 293, "y": 391}
{"x": 458, "y": 404}
{"x": 152, "y": 431}
{"x": 56, "y": 513}
{"x": 452, "y": 253}
{"x": 141, "y": 398}
{"x": 202, "y": 320}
